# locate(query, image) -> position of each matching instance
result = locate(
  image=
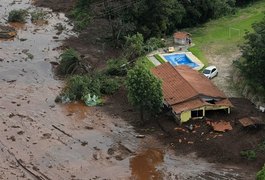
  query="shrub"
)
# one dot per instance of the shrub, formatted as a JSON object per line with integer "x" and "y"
{"x": 81, "y": 19}
{"x": 70, "y": 62}
{"x": 79, "y": 86}
{"x": 248, "y": 154}
{"x": 17, "y": 15}
{"x": 81, "y": 15}
{"x": 261, "y": 147}
{"x": 37, "y": 15}
{"x": 261, "y": 174}
{"x": 109, "y": 86}
{"x": 82, "y": 87}
{"x": 117, "y": 67}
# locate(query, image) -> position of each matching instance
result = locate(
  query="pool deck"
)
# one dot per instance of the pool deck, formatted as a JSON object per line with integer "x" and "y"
{"x": 189, "y": 55}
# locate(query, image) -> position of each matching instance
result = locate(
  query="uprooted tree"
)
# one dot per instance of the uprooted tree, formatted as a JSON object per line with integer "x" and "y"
{"x": 144, "y": 90}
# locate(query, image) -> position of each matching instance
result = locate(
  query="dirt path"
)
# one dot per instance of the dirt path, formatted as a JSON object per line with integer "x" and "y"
{"x": 43, "y": 140}
{"x": 223, "y": 61}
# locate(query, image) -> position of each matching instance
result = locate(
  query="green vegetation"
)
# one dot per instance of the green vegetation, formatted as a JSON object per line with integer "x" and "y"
{"x": 261, "y": 174}
{"x": 81, "y": 15}
{"x": 109, "y": 85}
{"x": 117, "y": 67}
{"x": 153, "y": 44}
{"x": 218, "y": 36}
{"x": 78, "y": 86}
{"x": 37, "y": 15}
{"x": 144, "y": 90}
{"x": 85, "y": 87}
{"x": 222, "y": 36}
{"x": 249, "y": 154}
{"x": 144, "y": 61}
{"x": 253, "y": 61}
{"x": 261, "y": 147}
{"x": 134, "y": 46}
{"x": 70, "y": 63}
{"x": 17, "y": 16}
{"x": 159, "y": 58}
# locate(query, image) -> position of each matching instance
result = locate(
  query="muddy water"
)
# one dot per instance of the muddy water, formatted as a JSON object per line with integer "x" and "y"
{"x": 43, "y": 140}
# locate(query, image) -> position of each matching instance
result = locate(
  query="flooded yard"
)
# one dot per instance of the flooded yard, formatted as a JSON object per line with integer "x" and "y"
{"x": 44, "y": 140}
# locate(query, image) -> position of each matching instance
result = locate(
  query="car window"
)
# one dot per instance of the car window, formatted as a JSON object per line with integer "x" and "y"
{"x": 206, "y": 71}
{"x": 213, "y": 70}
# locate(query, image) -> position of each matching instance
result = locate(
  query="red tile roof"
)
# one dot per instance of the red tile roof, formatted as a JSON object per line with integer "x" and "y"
{"x": 181, "y": 35}
{"x": 188, "y": 105}
{"x": 184, "y": 88}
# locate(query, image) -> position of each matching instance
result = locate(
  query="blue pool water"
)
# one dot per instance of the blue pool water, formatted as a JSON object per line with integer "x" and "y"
{"x": 180, "y": 59}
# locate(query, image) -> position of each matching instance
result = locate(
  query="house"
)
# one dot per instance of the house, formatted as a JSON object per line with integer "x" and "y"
{"x": 182, "y": 38}
{"x": 189, "y": 93}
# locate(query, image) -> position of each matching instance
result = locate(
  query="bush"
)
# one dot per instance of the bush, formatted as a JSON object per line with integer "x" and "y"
{"x": 261, "y": 147}
{"x": 248, "y": 154}
{"x": 81, "y": 15}
{"x": 109, "y": 86}
{"x": 17, "y": 15}
{"x": 70, "y": 62}
{"x": 81, "y": 19}
{"x": 117, "y": 67}
{"x": 79, "y": 86}
{"x": 37, "y": 15}
{"x": 261, "y": 174}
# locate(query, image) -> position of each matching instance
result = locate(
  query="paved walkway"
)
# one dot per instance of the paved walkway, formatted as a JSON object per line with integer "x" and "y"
{"x": 151, "y": 57}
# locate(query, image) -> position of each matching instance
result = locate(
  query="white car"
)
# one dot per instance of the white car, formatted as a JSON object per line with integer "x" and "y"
{"x": 210, "y": 72}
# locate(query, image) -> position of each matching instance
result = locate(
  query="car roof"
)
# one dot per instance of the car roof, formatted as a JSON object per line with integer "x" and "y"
{"x": 210, "y": 67}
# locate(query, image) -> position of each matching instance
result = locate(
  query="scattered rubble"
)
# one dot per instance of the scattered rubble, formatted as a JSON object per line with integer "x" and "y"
{"x": 221, "y": 126}
{"x": 251, "y": 122}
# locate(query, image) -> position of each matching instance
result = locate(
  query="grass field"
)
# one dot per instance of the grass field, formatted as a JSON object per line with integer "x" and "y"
{"x": 224, "y": 35}
{"x": 145, "y": 61}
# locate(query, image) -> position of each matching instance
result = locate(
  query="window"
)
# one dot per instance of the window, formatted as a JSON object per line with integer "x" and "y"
{"x": 206, "y": 71}
{"x": 197, "y": 113}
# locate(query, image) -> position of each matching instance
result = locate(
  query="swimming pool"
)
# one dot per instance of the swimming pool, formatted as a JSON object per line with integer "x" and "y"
{"x": 180, "y": 59}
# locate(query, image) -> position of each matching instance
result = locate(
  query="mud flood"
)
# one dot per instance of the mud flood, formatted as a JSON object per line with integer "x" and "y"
{"x": 43, "y": 140}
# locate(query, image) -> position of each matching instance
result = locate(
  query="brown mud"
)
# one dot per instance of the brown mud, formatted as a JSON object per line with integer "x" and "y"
{"x": 43, "y": 140}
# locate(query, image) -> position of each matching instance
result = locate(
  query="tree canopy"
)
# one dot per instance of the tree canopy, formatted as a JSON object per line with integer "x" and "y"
{"x": 155, "y": 18}
{"x": 253, "y": 64}
{"x": 144, "y": 90}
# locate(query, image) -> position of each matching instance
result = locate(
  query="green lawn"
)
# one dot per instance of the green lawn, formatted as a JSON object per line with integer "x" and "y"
{"x": 145, "y": 61}
{"x": 159, "y": 58}
{"x": 224, "y": 35}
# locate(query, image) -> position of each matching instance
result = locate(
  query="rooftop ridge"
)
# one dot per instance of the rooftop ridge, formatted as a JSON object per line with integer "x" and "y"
{"x": 185, "y": 78}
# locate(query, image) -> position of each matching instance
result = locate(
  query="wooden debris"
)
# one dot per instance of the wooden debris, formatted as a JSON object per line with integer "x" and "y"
{"x": 221, "y": 126}
{"x": 251, "y": 121}
{"x": 140, "y": 136}
{"x": 62, "y": 131}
